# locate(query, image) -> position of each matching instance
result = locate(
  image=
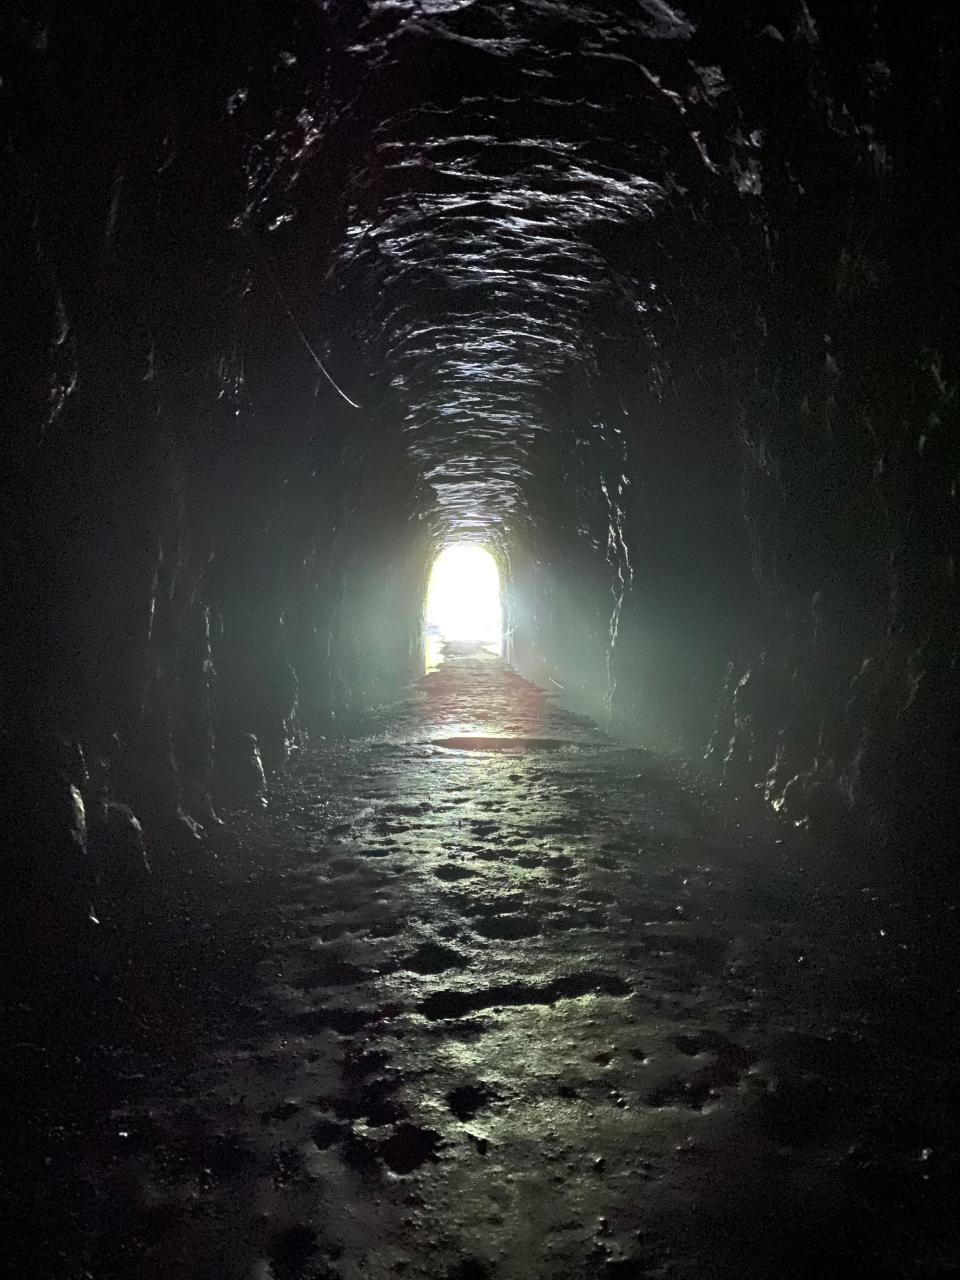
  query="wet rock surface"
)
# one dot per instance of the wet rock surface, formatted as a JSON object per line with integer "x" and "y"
{"x": 658, "y": 300}
{"x": 699, "y": 1050}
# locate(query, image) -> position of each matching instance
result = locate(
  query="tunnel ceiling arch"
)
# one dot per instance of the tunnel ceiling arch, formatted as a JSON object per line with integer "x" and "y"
{"x": 492, "y": 158}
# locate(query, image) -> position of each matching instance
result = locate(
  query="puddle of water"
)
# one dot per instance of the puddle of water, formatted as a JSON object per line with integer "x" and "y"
{"x": 500, "y": 744}
{"x": 438, "y": 650}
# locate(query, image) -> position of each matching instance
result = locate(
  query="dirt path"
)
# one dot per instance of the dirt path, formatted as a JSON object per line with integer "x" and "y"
{"x": 537, "y": 1010}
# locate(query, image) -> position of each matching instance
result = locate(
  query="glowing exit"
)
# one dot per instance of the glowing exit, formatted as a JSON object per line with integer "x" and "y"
{"x": 463, "y": 600}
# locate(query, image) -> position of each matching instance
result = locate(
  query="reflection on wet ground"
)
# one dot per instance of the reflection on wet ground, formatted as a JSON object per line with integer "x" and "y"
{"x": 438, "y": 650}
{"x": 545, "y": 1011}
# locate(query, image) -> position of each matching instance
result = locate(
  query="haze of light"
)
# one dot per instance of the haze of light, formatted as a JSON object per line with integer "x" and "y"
{"x": 463, "y": 597}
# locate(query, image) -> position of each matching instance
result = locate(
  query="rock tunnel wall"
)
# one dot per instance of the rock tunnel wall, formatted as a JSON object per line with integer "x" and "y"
{"x": 784, "y": 521}
{"x": 660, "y": 304}
{"x": 838, "y": 365}
{"x": 200, "y": 536}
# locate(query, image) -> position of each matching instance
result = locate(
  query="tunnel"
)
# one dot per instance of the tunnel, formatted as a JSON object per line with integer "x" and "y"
{"x": 479, "y": 693}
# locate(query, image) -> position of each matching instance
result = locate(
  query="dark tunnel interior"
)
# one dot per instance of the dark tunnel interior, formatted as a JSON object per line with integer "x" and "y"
{"x": 618, "y": 940}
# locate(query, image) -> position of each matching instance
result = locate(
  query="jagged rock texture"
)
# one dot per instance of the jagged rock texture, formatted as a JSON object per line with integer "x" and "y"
{"x": 659, "y": 303}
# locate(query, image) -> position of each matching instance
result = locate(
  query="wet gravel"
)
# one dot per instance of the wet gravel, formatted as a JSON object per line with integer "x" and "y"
{"x": 454, "y": 1007}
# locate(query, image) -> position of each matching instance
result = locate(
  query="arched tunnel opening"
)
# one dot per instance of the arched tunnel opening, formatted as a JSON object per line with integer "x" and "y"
{"x": 463, "y": 610}
{"x": 479, "y": 700}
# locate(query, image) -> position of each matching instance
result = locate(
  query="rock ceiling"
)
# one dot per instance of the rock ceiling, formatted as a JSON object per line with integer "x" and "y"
{"x": 497, "y": 154}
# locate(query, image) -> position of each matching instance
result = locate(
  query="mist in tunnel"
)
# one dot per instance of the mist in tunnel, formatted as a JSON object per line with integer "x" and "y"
{"x": 575, "y": 381}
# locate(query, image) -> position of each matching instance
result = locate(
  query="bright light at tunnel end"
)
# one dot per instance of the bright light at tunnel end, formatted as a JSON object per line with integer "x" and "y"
{"x": 463, "y": 599}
